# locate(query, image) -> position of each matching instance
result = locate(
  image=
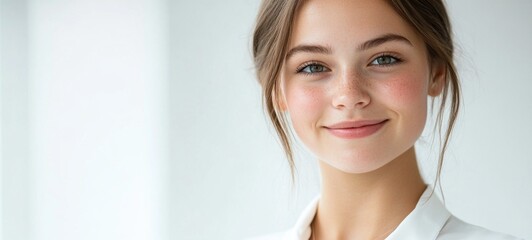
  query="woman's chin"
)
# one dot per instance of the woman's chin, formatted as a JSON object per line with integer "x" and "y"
{"x": 356, "y": 166}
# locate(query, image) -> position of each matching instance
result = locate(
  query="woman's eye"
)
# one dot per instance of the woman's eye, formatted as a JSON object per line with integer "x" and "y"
{"x": 313, "y": 68}
{"x": 385, "y": 60}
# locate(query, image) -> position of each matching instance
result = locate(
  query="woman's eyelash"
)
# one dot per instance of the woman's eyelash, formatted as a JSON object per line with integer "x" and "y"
{"x": 311, "y": 68}
{"x": 385, "y": 59}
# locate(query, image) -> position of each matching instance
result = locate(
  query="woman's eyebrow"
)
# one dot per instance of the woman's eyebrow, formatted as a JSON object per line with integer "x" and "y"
{"x": 364, "y": 46}
{"x": 383, "y": 39}
{"x": 308, "y": 49}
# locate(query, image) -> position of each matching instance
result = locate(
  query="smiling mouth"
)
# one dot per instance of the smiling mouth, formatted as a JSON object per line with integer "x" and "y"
{"x": 356, "y": 129}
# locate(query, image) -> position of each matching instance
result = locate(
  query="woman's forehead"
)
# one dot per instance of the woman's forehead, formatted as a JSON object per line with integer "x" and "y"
{"x": 350, "y": 22}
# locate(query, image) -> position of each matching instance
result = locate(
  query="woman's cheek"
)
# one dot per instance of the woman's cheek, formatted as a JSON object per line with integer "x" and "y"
{"x": 407, "y": 90}
{"x": 408, "y": 98}
{"x": 305, "y": 104}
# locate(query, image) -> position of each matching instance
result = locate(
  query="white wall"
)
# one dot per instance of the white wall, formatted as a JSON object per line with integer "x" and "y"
{"x": 14, "y": 120}
{"x": 1, "y": 145}
{"x": 96, "y": 101}
{"x": 488, "y": 173}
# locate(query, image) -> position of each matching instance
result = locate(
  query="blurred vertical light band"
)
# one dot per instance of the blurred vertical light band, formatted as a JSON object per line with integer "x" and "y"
{"x": 15, "y": 189}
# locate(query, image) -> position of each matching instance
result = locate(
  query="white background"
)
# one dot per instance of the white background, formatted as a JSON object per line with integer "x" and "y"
{"x": 138, "y": 119}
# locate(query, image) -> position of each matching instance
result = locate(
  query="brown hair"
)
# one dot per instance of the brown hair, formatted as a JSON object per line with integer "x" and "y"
{"x": 270, "y": 43}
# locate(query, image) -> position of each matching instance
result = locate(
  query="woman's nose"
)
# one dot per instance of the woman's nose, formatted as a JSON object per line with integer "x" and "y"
{"x": 350, "y": 92}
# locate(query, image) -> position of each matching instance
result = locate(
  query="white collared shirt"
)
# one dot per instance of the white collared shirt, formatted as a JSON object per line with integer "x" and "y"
{"x": 429, "y": 220}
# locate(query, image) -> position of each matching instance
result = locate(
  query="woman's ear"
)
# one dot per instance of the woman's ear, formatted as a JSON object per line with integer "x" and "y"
{"x": 438, "y": 78}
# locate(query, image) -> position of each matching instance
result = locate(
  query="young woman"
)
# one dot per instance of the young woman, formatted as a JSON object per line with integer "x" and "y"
{"x": 356, "y": 78}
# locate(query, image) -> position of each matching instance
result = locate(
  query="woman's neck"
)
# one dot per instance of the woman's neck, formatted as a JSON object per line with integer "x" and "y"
{"x": 369, "y": 205}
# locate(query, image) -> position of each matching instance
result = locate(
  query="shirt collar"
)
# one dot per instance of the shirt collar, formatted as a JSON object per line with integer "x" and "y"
{"x": 424, "y": 222}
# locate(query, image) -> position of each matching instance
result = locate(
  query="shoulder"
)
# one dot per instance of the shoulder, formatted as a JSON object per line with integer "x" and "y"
{"x": 458, "y": 229}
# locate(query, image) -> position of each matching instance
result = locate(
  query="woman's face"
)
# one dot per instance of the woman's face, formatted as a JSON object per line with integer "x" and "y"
{"x": 355, "y": 83}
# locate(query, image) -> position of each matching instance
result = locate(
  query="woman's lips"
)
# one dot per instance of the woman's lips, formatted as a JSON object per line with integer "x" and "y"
{"x": 356, "y": 129}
